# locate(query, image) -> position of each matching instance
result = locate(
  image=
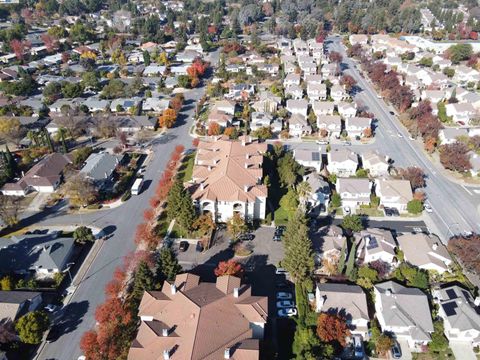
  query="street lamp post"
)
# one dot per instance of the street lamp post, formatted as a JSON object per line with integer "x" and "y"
{"x": 68, "y": 271}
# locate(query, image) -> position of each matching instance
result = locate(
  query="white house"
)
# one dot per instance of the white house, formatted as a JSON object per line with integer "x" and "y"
{"x": 295, "y": 91}
{"x": 356, "y": 126}
{"x": 460, "y": 112}
{"x": 316, "y": 91}
{"x": 259, "y": 120}
{"x": 450, "y": 135}
{"x": 338, "y": 93}
{"x": 323, "y": 108}
{"x": 330, "y": 123}
{"x": 394, "y": 193}
{"x": 347, "y": 109}
{"x": 342, "y": 162}
{"x": 459, "y": 311}
{"x": 298, "y": 126}
{"x": 375, "y": 244}
{"x": 308, "y": 158}
{"x": 354, "y": 192}
{"x": 291, "y": 79}
{"x": 319, "y": 196}
{"x": 404, "y": 312}
{"x": 226, "y": 106}
{"x": 376, "y": 163}
{"x": 298, "y": 106}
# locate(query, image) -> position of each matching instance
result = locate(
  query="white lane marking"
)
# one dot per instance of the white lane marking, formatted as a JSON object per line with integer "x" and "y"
{"x": 476, "y": 191}
{"x": 468, "y": 191}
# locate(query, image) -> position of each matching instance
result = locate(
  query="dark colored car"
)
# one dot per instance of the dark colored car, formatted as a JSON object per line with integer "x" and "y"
{"x": 396, "y": 351}
{"x": 388, "y": 212}
{"x": 246, "y": 237}
{"x": 183, "y": 246}
{"x": 281, "y": 284}
{"x": 199, "y": 247}
{"x": 277, "y": 237}
{"x": 53, "y": 334}
{"x": 392, "y": 113}
{"x": 395, "y": 212}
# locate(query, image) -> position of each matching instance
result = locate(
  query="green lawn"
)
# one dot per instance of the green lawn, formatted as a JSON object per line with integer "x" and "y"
{"x": 186, "y": 169}
{"x": 370, "y": 212}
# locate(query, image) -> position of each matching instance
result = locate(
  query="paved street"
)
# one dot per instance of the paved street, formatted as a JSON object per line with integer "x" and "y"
{"x": 455, "y": 206}
{"x": 122, "y": 221}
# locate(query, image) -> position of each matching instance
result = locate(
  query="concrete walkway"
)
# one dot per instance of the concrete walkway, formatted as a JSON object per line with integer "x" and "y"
{"x": 462, "y": 350}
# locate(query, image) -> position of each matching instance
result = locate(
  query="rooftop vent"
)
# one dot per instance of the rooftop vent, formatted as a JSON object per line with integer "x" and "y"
{"x": 173, "y": 289}
{"x": 226, "y": 353}
{"x": 236, "y": 292}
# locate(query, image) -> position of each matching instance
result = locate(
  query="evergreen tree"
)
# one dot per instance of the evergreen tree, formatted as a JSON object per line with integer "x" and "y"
{"x": 144, "y": 280}
{"x": 180, "y": 206}
{"x": 64, "y": 144}
{"x": 298, "y": 260}
{"x": 167, "y": 265}
{"x": 146, "y": 58}
{"x": 48, "y": 141}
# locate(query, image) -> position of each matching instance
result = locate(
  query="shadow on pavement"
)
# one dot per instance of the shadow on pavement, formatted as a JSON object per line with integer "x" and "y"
{"x": 72, "y": 316}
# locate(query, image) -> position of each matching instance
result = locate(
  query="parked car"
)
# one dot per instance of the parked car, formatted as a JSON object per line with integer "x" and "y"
{"x": 346, "y": 210}
{"x": 53, "y": 334}
{"x": 399, "y": 135}
{"x": 284, "y": 295}
{"x": 322, "y": 142}
{"x": 285, "y": 304}
{"x": 183, "y": 246}
{"x": 395, "y": 212}
{"x": 51, "y": 308}
{"x": 427, "y": 208}
{"x": 282, "y": 284}
{"x": 347, "y": 143}
{"x": 396, "y": 350}
{"x": 358, "y": 346}
{"x": 287, "y": 312}
{"x": 245, "y": 237}
{"x": 392, "y": 113}
{"x": 277, "y": 237}
{"x": 388, "y": 211}
{"x": 281, "y": 271}
{"x": 199, "y": 247}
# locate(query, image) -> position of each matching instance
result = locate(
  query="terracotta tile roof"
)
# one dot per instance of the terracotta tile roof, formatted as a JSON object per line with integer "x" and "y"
{"x": 228, "y": 170}
{"x": 200, "y": 323}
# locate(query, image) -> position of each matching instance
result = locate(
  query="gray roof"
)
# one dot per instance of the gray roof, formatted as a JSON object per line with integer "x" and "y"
{"x": 405, "y": 307}
{"x": 458, "y": 308}
{"x": 100, "y": 166}
{"x": 375, "y": 240}
{"x": 14, "y": 304}
{"x": 48, "y": 251}
{"x": 346, "y": 300}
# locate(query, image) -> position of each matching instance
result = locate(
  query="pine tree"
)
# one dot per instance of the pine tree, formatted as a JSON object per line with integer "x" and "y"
{"x": 64, "y": 144}
{"x": 144, "y": 280}
{"x": 10, "y": 164}
{"x": 167, "y": 265}
{"x": 180, "y": 206}
{"x": 48, "y": 141}
{"x": 174, "y": 199}
{"x": 298, "y": 260}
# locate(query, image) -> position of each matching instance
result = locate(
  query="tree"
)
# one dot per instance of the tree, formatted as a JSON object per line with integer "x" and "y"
{"x": 305, "y": 343}
{"x": 9, "y": 209}
{"x": 167, "y": 265}
{"x": 114, "y": 89}
{"x": 236, "y": 225}
{"x": 18, "y": 47}
{"x": 31, "y": 326}
{"x": 439, "y": 342}
{"x": 229, "y": 267}
{"x": 383, "y": 344}
{"x": 7, "y": 283}
{"x": 335, "y": 57}
{"x": 298, "y": 259}
{"x": 83, "y": 234}
{"x": 213, "y": 129}
{"x": 90, "y": 80}
{"x": 7, "y": 332}
{"x": 146, "y": 58}
{"x": 415, "y": 175}
{"x": 332, "y": 328}
{"x": 352, "y": 223}
{"x": 352, "y": 255}
{"x": 52, "y": 92}
{"x": 71, "y": 90}
{"x": 143, "y": 280}
{"x": 288, "y": 169}
{"x": 455, "y": 157}
{"x": 348, "y": 82}
{"x": 79, "y": 190}
{"x": 11, "y": 130}
{"x": 289, "y": 201}
{"x": 204, "y": 224}
{"x": 459, "y": 52}
{"x": 80, "y": 155}
{"x": 415, "y": 206}
{"x": 412, "y": 276}
{"x": 265, "y": 132}
{"x": 336, "y": 200}
{"x": 168, "y": 118}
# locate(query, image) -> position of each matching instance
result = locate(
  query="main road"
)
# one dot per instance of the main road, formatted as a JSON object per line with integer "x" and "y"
{"x": 78, "y": 316}
{"x": 455, "y": 206}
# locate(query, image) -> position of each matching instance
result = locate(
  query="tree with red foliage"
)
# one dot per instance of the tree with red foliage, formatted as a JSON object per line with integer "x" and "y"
{"x": 233, "y": 46}
{"x": 119, "y": 274}
{"x": 402, "y": 98}
{"x": 65, "y": 57}
{"x": 49, "y": 41}
{"x": 415, "y": 175}
{"x": 113, "y": 288}
{"x": 27, "y": 15}
{"x": 332, "y": 328}
{"x": 455, "y": 157}
{"x": 355, "y": 50}
{"x": 422, "y": 109}
{"x": 179, "y": 149}
{"x": 466, "y": 249}
{"x": 175, "y": 157}
{"x": 473, "y": 35}
{"x": 18, "y": 47}
{"x": 148, "y": 215}
{"x": 335, "y": 57}
{"x": 195, "y": 142}
{"x": 154, "y": 202}
{"x": 321, "y": 36}
{"x": 348, "y": 82}
{"x": 90, "y": 346}
{"x": 176, "y": 102}
{"x": 213, "y": 128}
{"x": 200, "y": 66}
{"x": 229, "y": 267}
{"x": 144, "y": 234}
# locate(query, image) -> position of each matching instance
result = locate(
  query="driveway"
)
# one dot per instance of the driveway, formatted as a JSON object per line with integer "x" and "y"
{"x": 406, "y": 352}
{"x": 462, "y": 350}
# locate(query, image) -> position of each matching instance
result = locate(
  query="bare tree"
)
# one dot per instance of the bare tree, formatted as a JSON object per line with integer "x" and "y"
{"x": 11, "y": 130}
{"x": 79, "y": 190}
{"x": 9, "y": 209}
{"x": 105, "y": 128}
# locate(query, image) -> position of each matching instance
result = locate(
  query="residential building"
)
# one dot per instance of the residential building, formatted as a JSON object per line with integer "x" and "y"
{"x": 267, "y": 102}
{"x": 354, "y": 192}
{"x": 459, "y": 311}
{"x": 356, "y": 126}
{"x": 348, "y": 301}
{"x": 298, "y": 107}
{"x": 319, "y": 195}
{"x": 316, "y": 91}
{"x": 291, "y": 79}
{"x": 328, "y": 242}
{"x": 259, "y": 120}
{"x": 227, "y": 106}
{"x": 45, "y": 176}
{"x": 377, "y": 164}
{"x": 394, "y": 193}
{"x": 44, "y": 255}
{"x": 375, "y": 244}
{"x": 404, "y": 312}
{"x": 347, "y": 109}
{"x": 323, "y": 108}
{"x": 450, "y": 135}
{"x": 308, "y": 158}
{"x": 227, "y": 179}
{"x": 14, "y": 304}
{"x": 220, "y": 117}
{"x": 189, "y": 319}
{"x": 342, "y": 162}
{"x": 475, "y": 162}
{"x": 460, "y": 112}
{"x": 425, "y": 251}
{"x": 294, "y": 91}
{"x": 298, "y": 126}
{"x": 332, "y": 124}
{"x": 338, "y": 93}
{"x": 100, "y": 167}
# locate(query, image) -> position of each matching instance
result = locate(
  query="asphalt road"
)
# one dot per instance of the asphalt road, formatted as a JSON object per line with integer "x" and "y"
{"x": 455, "y": 206}
{"x": 123, "y": 221}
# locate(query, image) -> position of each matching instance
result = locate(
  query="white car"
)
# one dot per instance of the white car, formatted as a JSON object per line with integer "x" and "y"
{"x": 428, "y": 208}
{"x": 51, "y": 308}
{"x": 399, "y": 135}
{"x": 287, "y": 312}
{"x": 284, "y": 296}
{"x": 411, "y": 137}
{"x": 285, "y": 304}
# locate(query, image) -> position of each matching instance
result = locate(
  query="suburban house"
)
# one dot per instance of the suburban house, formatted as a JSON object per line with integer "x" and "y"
{"x": 294, "y": 91}
{"x": 459, "y": 311}
{"x": 267, "y": 102}
{"x": 220, "y": 117}
{"x": 328, "y": 242}
{"x": 298, "y": 126}
{"x": 155, "y": 104}
{"x": 291, "y": 79}
{"x": 347, "y": 109}
{"x": 45, "y": 176}
{"x": 354, "y": 192}
{"x": 189, "y": 319}
{"x": 332, "y": 124}
{"x": 259, "y": 120}
{"x": 342, "y": 162}
{"x": 132, "y": 123}
{"x": 404, "y": 312}
{"x": 44, "y": 255}
{"x": 308, "y": 158}
{"x": 375, "y": 244}
{"x": 338, "y": 93}
{"x": 358, "y": 39}
{"x": 316, "y": 91}
{"x": 298, "y": 106}
{"x": 450, "y": 135}
{"x": 376, "y": 163}
{"x": 356, "y": 126}
{"x": 227, "y": 179}
{"x": 323, "y": 108}
{"x": 425, "y": 251}
{"x": 319, "y": 196}
{"x": 226, "y": 106}
{"x": 348, "y": 301}
{"x": 99, "y": 168}
{"x": 394, "y": 193}
{"x": 475, "y": 162}
{"x": 460, "y": 112}
{"x": 14, "y": 304}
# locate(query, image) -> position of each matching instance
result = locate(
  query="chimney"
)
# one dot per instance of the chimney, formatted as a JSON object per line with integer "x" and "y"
{"x": 434, "y": 246}
{"x": 388, "y": 292}
{"x": 476, "y": 302}
{"x": 245, "y": 188}
{"x": 226, "y": 353}
{"x": 173, "y": 289}
{"x": 236, "y": 292}
{"x": 202, "y": 187}
{"x": 106, "y": 176}
{"x": 209, "y": 168}
{"x": 246, "y": 165}
{"x": 164, "y": 332}
{"x": 247, "y": 156}
{"x": 166, "y": 354}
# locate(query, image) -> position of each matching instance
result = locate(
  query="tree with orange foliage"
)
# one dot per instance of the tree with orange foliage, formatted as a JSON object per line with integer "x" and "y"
{"x": 90, "y": 346}
{"x": 195, "y": 142}
{"x": 113, "y": 288}
{"x": 168, "y": 118}
{"x": 18, "y": 47}
{"x": 144, "y": 234}
{"x": 213, "y": 128}
{"x": 367, "y": 132}
{"x": 148, "y": 215}
{"x": 179, "y": 149}
{"x": 332, "y": 328}
{"x": 229, "y": 267}
{"x": 154, "y": 202}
